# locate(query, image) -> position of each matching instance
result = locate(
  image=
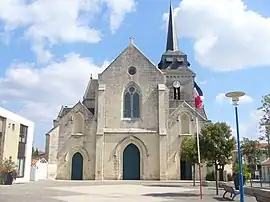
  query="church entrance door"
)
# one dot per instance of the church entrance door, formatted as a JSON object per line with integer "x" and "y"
{"x": 186, "y": 170}
{"x": 131, "y": 163}
{"x": 77, "y": 167}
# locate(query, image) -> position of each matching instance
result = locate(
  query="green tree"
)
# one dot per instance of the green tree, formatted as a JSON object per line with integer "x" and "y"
{"x": 252, "y": 152}
{"x": 35, "y": 152}
{"x": 217, "y": 144}
{"x": 189, "y": 152}
{"x": 246, "y": 172}
{"x": 265, "y": 120}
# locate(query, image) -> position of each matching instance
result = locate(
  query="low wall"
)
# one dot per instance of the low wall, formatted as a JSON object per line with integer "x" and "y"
{"x": 251, "y": 190}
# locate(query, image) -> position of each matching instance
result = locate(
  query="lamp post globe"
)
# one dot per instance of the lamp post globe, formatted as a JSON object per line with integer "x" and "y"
{"x": 234, "y": 96}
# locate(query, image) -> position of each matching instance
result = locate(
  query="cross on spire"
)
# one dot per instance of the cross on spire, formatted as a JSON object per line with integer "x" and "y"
{"x": 131, "y": 38}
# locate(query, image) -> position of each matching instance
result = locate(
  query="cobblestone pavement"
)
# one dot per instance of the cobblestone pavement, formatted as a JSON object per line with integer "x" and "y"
{"x": 97, "y": 191}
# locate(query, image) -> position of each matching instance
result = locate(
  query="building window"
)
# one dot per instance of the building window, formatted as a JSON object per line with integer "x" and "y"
{"x": 23, "y": 133}
{"x": 132, "y": 70}
{"x": 21, "y": 166}
{"x": 13, "y": 126}
{"x": 131, "y": 103}
{"x": 176, "y": 93}
{"x": 185, "y": 124}
{"x": 79, "y": 123}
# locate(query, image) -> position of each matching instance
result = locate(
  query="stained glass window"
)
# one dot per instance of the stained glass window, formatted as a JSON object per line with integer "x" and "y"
{"x": 131, "y": 103}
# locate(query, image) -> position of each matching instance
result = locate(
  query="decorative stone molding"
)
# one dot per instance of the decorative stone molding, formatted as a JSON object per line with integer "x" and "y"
{"x": 128, "y": 130}
{"x": 161, "y": 87}
{"x": 118, "y": 154}
{"x": 176, "y": 156}
{"x": 77, "y": 134}
{"x": 129, "y": 140}
{"x": 101, "y": 87}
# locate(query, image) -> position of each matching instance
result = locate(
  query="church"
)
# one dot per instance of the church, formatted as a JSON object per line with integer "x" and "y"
{"x": 131, "y": 120}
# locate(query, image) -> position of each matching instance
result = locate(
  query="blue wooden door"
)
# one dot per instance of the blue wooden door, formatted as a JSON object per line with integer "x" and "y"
{"x": 186, "y": 170}
{"x": 77, "y": 167}
{"x": 131, "y": 163}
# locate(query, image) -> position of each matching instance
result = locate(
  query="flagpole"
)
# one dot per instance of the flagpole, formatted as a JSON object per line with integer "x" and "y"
{"x": 198, "y": 143}
{"x": 199, "y": 156}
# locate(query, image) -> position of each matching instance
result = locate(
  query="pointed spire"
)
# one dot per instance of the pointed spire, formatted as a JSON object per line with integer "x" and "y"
{"x": 172, "y": 41}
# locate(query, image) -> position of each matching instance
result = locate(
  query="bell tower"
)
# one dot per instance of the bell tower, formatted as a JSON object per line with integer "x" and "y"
{"x": 174, "y": 63}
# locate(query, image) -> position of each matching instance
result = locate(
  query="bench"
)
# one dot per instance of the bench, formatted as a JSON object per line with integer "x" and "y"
{"x": 262, "y": 196}
{"x": 229, "y": 189}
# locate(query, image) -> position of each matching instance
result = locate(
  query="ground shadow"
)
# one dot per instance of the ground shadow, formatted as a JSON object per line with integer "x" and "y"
{"x": 214, "y": 188}
{"x": 170, "y": 194}
{"x": 222, "y": 199}
{"x": 163, "y": 185}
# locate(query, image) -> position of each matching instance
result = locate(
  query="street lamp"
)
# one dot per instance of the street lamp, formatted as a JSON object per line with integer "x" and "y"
{"x": 235, "y": 101}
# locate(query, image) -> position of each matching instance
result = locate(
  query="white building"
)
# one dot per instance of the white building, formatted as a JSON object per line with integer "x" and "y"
{"x": 266, "y": 170}
{"x": 39, "y": 169}
{"x": 16, "y": 138}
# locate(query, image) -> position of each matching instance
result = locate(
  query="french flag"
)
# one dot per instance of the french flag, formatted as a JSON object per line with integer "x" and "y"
{"x": 198, "y": 94}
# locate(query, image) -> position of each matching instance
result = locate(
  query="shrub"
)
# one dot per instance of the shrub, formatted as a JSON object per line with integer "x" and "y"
{"x": 8, "y": 166}
{"x": 246, "y": 173}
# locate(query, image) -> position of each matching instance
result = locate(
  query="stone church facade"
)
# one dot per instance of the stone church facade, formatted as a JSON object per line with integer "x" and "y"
{"x": 131, "y": 121}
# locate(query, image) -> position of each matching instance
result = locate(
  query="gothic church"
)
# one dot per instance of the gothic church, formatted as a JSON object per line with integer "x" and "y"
{"x": 131, "y": 121}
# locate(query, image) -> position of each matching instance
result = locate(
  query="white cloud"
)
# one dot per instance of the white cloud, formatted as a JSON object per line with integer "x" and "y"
{"x": 118, "y": 10}
{"x": 49, "y": 22}
{"x": 251, "y": 128}
{"x": 41, "y": 91}
{"x": 220, "y": 98}
{"x": 227, "y": 36}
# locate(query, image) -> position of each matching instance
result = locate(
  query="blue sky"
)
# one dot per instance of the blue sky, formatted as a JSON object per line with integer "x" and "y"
{"x": 47, "y": 54}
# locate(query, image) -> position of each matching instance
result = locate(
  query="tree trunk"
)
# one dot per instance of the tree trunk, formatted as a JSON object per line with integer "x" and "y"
{"x": 194, "y": 175}
{"x": 216, "y": 175}
{"x": 221, "y": 174}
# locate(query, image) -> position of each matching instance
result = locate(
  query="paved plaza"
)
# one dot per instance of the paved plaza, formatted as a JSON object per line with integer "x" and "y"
{"x": 97, "y": 191}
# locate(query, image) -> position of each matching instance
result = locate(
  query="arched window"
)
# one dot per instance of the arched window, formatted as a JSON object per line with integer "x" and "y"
{"x": 131, "y": 103}
{"x": 79, "y": 123}
{"x": 185, "y": 124}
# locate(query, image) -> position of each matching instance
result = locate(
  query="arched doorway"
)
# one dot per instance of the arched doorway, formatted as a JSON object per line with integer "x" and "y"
{"x": 186, "y": 170}
{"x": 77, "y": 167}
{"x": 131, "y": 163}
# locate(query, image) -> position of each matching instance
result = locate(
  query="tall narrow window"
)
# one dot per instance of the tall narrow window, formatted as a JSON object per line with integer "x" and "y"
{"x": 176, "y": 93}
{"x": 22, "y": 150}
{"x": 185, "y": 124}
{"x": 131, "y": 103}
{"x": 79, "y": 123}
{"x": 21, "y": 166}
{"x": 23, "y": 133}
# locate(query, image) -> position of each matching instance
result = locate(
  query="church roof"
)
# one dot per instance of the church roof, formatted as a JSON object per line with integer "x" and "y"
{"x": 173, "y": 58}
{"x": 63, "y": 111}
{"x": 132, "y": 48}
{"x": 91, "y": 89}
